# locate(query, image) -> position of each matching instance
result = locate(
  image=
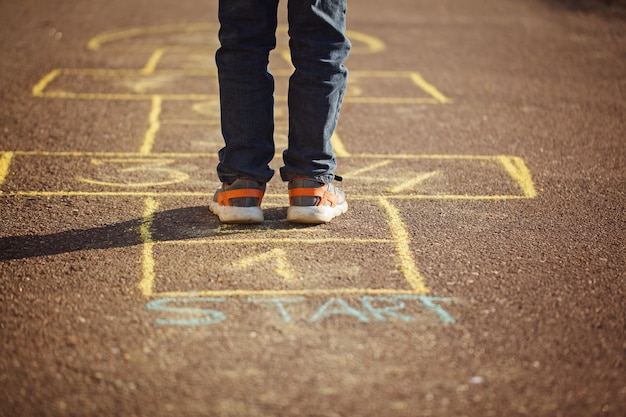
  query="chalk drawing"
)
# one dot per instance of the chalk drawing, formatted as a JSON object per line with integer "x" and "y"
{"x": 279, "y": 303}
{"x": 206, "y": 316}
{"x": 381, "y": 309}
{"x": 387, "y": 310}
{"x": 137, "y": 174}
{"x": 325, "y": 310}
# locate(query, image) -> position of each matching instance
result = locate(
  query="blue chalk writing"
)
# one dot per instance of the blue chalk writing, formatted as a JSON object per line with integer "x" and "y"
{"x": 429, "y": 303}
{"x": 279, "y": 303}
{"x": 325, "y": 310}
{"x": 379, "y": 308}
{"x": 389, "y": 310}
{"x": 207, "y": 316}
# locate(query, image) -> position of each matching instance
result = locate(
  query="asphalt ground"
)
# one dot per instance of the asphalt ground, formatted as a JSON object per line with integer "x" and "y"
{"x": 479, "y": 271}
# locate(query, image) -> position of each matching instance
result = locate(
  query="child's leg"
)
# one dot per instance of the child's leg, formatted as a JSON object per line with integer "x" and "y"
{"x": 319, "y": 48}
{"x": 247, "y": 35}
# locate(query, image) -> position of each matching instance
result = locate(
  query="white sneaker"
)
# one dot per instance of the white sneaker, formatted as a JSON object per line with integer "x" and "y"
{"x": 239, "y": 202}
{"x": 314, "y": 202}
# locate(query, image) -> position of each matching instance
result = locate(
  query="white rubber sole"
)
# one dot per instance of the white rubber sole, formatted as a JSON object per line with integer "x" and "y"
{"x": 230, "y": 214}
{"x": 315, "y": 214}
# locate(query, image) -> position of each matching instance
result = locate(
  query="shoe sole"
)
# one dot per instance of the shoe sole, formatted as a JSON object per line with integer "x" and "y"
{"x": 315, "y": 214}
{"x": 230, "y": 214}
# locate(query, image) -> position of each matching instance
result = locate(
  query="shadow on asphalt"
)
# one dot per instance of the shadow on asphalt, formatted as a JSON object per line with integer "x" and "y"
{"x": 177, "y": 224}
{"x": 614, "y": 8}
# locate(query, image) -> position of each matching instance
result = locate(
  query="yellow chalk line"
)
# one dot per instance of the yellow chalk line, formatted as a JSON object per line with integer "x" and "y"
{"x": 165, "y": 194}
{"x": 115, "y": 154}
{"x": 282, "y": 293}
{"x": 205, "y": 97}
{"x": 207, "y": 154}
{"x": 5, "y": 164}
{"x": 153, "y": 160}
{"x": 442, "y": 197}
{"x": 517, "y": 169}
{"x": 497, "y": 158}
{"x": 372, "y": 45}
{"x": 146, "y": 285}
{"x": 153, "y": 61}
{"x": 429, "y": 88}
{"x": 155, "y": 125}
{"x": 338, "y": 146}
{"x": 401, "y": 237}
{"x": 98, "y": 41}
{"x": 314, "y": 241}
{"x": 426, "y": 156}
{"x": 129, "y": 97}
{"x": 148, "y": 70}
{"x": 368, "y": 168}
{"x": 390, "y": 100}
{"x": 44, "y": 82}
{"x": 171, "y": 48}
{"x": 413, "y": 182}
{"x": 158, "y": 53}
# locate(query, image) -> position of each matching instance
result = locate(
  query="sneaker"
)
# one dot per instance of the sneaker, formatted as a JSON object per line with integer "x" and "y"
{"x": 239, "y": 202}
{"x": 314, "y": 202}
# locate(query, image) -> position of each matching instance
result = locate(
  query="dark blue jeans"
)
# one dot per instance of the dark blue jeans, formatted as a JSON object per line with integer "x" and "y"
{"x": 319, "y": 48}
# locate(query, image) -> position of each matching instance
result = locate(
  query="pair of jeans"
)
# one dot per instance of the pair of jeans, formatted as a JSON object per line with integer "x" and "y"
{"x": 319, "y": 47}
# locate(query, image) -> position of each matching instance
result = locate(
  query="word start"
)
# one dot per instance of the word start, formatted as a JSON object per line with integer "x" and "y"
{"x": 370, "y": 309}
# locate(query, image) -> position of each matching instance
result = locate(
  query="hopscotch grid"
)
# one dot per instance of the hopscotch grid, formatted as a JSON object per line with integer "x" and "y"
{"x": 434, "y": 96}
{"x": 398, "y": 231}
{"x": 513, "y": 166}
{"x": 399, "y": 238}
{"x": 362, "y": 44}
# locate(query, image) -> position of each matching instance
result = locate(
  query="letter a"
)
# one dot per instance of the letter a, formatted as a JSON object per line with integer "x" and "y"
{"x": 326, "y": 310}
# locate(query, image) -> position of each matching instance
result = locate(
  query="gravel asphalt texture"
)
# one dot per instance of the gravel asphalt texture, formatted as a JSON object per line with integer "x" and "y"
{"x": 480, "y": 269}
